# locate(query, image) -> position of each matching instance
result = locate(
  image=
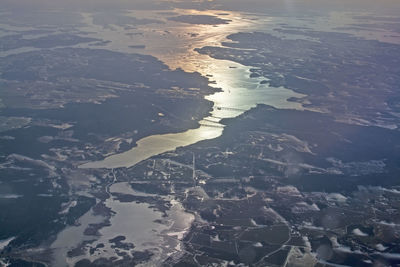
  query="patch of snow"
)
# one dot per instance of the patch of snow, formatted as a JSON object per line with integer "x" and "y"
{"x": 336, "y": 197}
{"x": 380, "y": 247}
{"x": 257, "y": 245}
{"x": 4, "y": 243}
{"x": 358, "y": 232}
{"x": 10, "y": 196}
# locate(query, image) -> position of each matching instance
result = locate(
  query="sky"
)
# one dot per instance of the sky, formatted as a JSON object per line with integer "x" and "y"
{"x": 242, "y": 5}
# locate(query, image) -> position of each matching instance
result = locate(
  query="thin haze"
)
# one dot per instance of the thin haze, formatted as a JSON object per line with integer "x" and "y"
{"x": 259, "y": 6}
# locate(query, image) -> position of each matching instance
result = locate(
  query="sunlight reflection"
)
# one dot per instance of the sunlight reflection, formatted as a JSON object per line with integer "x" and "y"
{"x": 174, "y": 43}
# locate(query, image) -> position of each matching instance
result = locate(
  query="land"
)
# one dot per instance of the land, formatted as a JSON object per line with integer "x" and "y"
{"x": 62, "y": 107}
{"x": 264, "y": 197}
{"x": 280, "y": 187}
{"x": 10, "y": 42}
{"x": 200, "y": 19}
{"x": 345, "y": 75}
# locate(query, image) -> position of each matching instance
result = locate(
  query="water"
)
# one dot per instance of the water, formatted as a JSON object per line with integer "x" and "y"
{"x": 140, "y": 225}
{"x": 71, "y": 237}
{"x": 137, "y": 221}
{"x": 175, "y": 49}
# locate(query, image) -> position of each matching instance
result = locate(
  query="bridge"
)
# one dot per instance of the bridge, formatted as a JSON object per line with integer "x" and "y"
{"x": 208, "y": 120}
{"x": 216, "y": 117}
{"x": 212, "y": 125}
{"x": 229, "y": 108}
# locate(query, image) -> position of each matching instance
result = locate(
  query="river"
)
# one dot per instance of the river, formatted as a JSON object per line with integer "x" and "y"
{"x": 174, "y": 44}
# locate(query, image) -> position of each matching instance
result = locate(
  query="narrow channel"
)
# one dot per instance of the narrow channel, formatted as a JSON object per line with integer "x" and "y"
{"x": 240, "y": 92}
